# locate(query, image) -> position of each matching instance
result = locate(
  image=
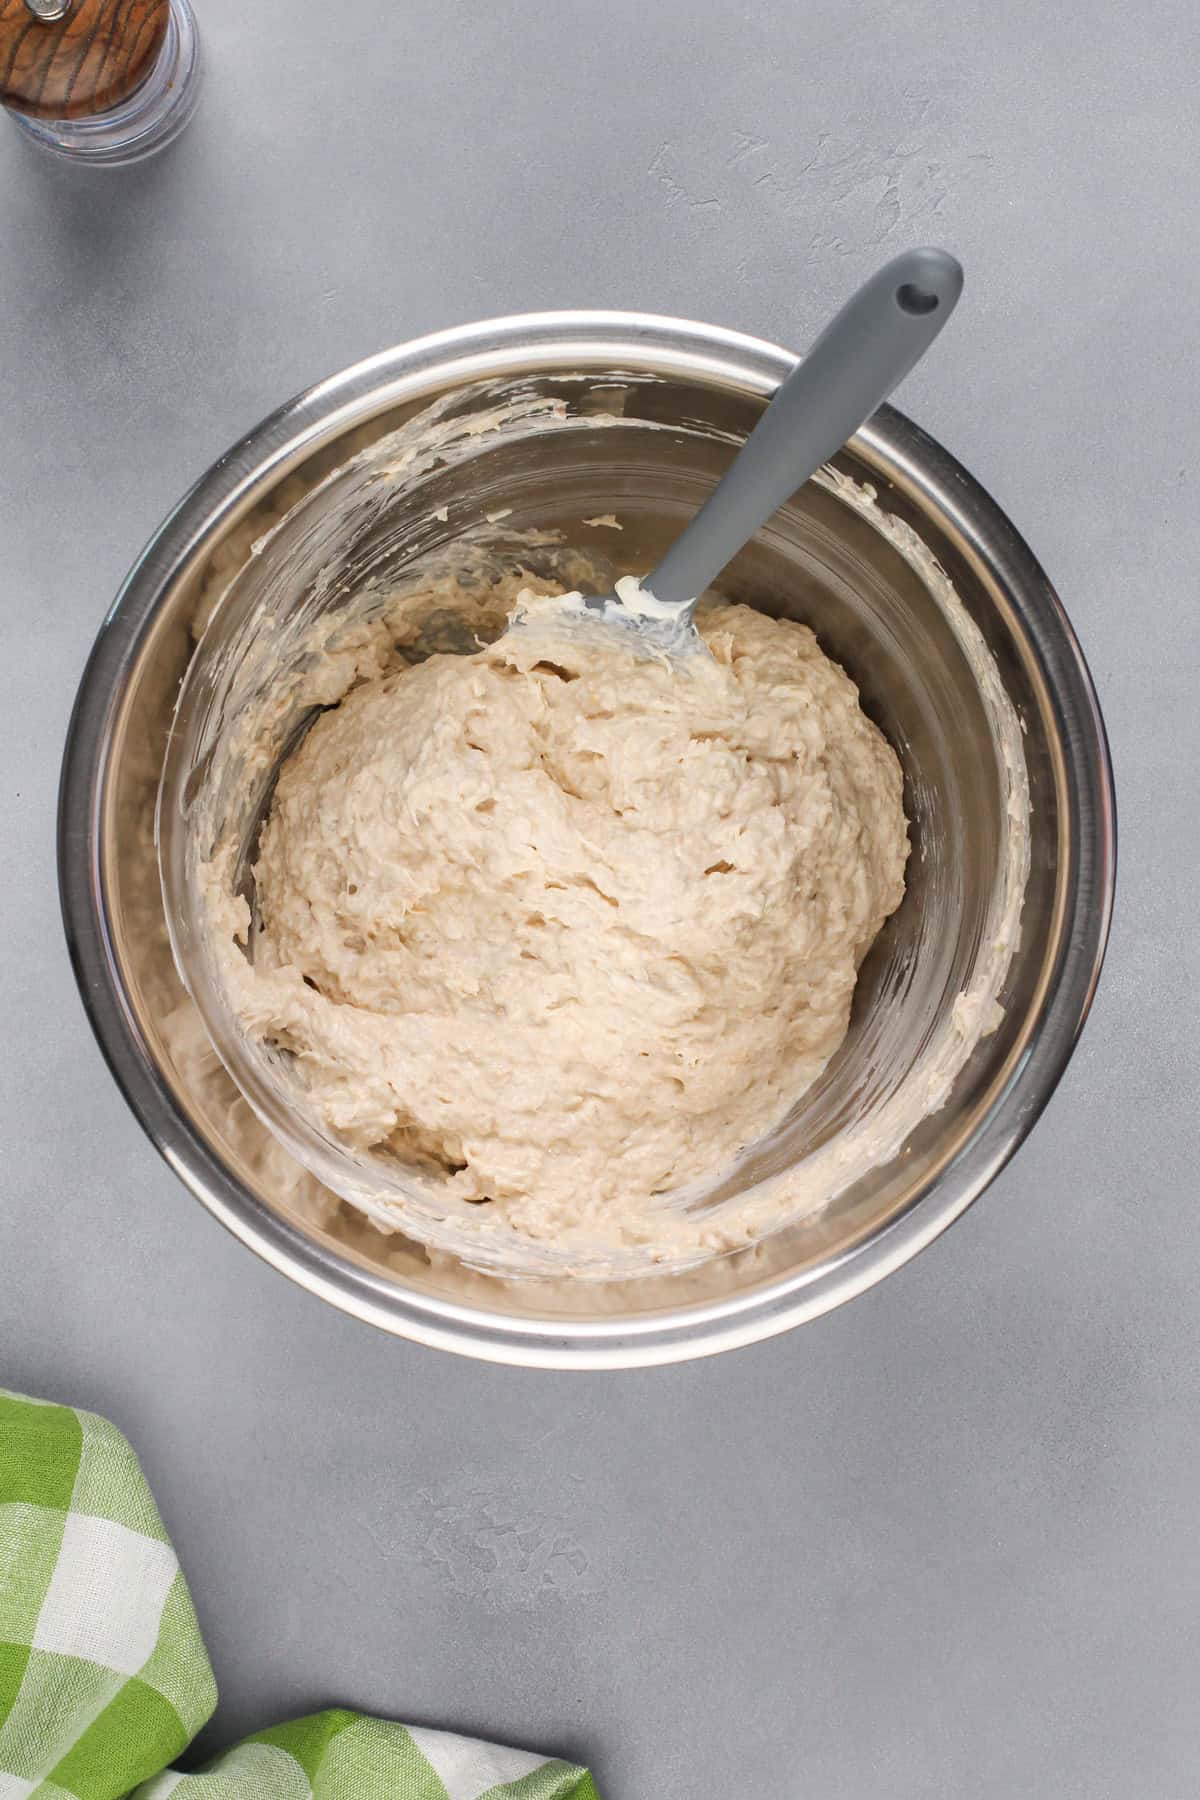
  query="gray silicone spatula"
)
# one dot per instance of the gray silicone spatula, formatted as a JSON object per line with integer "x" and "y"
{"x": 859, "y": 358}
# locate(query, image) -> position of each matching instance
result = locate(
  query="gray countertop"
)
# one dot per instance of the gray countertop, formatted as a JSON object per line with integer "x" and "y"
{"x": 944, "y": 1541}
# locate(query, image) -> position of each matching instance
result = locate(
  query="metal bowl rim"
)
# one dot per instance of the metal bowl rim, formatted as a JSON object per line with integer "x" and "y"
{"x": 503, "y": 347}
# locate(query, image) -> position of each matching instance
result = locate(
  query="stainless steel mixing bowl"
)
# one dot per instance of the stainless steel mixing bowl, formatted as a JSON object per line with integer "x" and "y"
{"x": 683, "y": 395}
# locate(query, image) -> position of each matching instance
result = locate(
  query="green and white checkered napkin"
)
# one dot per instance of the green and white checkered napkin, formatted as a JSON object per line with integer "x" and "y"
{"x": 104, "y": 1678}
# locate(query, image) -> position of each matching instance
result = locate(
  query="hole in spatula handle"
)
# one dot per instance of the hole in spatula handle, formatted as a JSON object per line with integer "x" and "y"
{"x": 916, "y": 300}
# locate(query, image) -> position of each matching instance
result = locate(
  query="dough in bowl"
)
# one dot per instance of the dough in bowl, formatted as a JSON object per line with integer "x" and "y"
{"x": 568, "y": 926}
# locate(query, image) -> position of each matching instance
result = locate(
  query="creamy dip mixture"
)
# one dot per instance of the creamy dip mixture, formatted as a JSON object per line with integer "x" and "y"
{"x": 567, "y": 925}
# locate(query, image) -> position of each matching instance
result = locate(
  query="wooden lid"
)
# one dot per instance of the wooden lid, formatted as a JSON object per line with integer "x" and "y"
{"x": 86, "y": 61}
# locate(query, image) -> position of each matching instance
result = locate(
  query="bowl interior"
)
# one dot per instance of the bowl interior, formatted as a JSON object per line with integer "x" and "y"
{"x": 940, "y": 665}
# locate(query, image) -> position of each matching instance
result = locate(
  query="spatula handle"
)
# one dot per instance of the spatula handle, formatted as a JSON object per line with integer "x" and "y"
{"x": 866, "y": 351}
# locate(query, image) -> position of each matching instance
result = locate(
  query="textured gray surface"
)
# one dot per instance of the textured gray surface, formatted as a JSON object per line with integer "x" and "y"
{"x": 943, "y": 1542}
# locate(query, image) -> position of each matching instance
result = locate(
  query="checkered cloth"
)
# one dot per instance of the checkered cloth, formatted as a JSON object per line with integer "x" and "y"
{"x": 104, "y": 1678}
